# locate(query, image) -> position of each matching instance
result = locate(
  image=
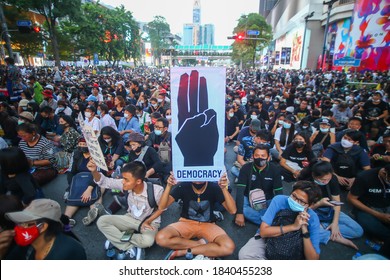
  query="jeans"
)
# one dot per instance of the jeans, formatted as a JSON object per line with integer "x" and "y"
{"x": 348, "y": 227}
{"x": 235, "y": 171}
{"x": 251, "y": 214}
{"x": 372, "y": 225}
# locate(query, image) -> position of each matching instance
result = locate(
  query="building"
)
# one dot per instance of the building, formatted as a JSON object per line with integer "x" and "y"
{"x": 357, "y": 29}
{"x": 208, "y": 34}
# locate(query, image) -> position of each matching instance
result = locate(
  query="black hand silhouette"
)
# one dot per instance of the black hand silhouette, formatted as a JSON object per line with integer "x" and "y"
{"x": 198, "y": 132}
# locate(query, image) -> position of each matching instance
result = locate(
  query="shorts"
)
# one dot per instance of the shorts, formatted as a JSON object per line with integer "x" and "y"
{"x": 189, "y": 229}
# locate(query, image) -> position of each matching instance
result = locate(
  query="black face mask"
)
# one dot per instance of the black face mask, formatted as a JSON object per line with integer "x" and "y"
{"x": 84, "y": 150}
{"x": 260, "y": 162}
{"x": 137, "y": 150}
{"x": 198, "y": 186}
{"x": 299, "y": 144}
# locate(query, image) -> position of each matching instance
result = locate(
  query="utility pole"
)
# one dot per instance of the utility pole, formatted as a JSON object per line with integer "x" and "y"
{"x": 5, "y": 32}
{"x": 330, "y": 4}
{"x": 304, "y": 36}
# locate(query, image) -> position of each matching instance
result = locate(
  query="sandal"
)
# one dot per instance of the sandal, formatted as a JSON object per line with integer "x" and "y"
{"x": 92, "y": 215}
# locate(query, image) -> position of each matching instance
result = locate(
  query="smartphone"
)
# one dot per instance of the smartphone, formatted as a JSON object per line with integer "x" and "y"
{"x": 337, "y": 203}
{"x": 127, "y": 235}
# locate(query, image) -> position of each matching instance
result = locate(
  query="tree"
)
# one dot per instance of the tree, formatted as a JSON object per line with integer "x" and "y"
{"x": 159, "y": 34}
{"x": 245, "y": 50}
{"x": 52, "y": 10}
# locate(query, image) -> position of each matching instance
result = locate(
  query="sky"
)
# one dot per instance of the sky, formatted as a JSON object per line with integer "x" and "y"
{"x": 222, "y": 13}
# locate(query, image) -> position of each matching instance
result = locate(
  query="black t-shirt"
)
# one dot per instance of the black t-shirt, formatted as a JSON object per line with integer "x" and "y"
{"x": 264, "y": 115}
{"x": 301, "y": 113}
{"x": 198, "y": 210}
{"x": 334, "y": 188}
{"x": 321, "y": 136}
{"x": 381, "y": 150}
{"x": 370, "y": 189}
{"x": 230, "y": 125}
{"x": 239, "y": 115}
{"x": 375, "y": 110}
{"x": 291, "y": 154}
{"x": 269, "y": 180}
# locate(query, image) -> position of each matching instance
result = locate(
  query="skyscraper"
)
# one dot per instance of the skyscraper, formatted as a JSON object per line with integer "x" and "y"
{"x": 196, "y": 12}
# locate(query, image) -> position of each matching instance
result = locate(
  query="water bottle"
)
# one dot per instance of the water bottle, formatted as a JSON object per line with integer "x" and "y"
{"x": 373, "y": 245}
{"x": 356, "y": 256}
{"x": 121, "y": 255}
{"x": 189, "y": 255}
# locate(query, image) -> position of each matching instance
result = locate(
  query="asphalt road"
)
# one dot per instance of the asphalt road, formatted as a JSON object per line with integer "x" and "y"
{"x": 93, "y": 240}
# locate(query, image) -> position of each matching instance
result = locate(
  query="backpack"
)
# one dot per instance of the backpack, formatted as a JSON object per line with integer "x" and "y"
{"x": 288, "y": 246}
{"x": 151, "y": 201}
{"x": 164, "y": 152}
{"x": 79, "y": 184}
{"x": 344, "y": 163}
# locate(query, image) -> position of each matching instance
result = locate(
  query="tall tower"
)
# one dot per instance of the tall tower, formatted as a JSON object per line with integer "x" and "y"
{"x": 196, "y": 12}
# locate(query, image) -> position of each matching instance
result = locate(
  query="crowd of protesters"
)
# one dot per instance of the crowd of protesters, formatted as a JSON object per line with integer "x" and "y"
{"x": 327, "y": 132}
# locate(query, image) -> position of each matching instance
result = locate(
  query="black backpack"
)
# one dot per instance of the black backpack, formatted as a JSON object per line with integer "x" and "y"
{"x": 288, "y": 246}
{"x": 344, "y": 163}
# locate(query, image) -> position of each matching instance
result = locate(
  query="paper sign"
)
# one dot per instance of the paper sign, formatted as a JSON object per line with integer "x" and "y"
{"x": 198, "y": 123}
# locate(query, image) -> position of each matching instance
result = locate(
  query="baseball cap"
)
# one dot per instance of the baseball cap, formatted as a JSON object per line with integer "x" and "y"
{"x": 290, "y": 118}
{"x": 95, "y": 85}
{"x": 255, "y": 125}
{"x": 23, "y": 103}
{"x": 325, "y": 121}
{"x": 380, "y": 92}
{"x": 92, "y": 98}
{"x": 38, "y": 209}
{"x": 163, "y": 91}
{"x": 47, "y": 93}
{"x": 26, "y": 115}
{"x": 49, "y": 87}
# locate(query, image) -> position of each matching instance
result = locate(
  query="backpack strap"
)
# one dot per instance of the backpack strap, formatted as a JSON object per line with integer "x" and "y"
{"x": 151, "y": 201}
{"x": 142, "y": 154}
{"x": 323, "y": 139}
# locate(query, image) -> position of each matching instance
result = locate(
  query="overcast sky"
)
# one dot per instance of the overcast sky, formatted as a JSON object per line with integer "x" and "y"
{"x": 222, "y": 13}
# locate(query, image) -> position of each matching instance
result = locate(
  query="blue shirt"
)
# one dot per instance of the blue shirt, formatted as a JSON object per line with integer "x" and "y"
{"x": 125, "y": 124}
{"x": 280, "y": 202}
{"x": 359, "y": 156}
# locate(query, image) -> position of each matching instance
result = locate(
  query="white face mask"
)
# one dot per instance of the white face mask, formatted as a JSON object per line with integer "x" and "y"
{"x": 108, "y": 140}
{"x": 346, "y": 144}
{"x": 126, "y": 115}
{"x": 231, "y": 114}
{"x": 169, "y": 117}
{"x": 281, "y": 122}
{"x": 253, "y": 117}
{"x": 159, "y": 100}
{"x": 266, "y": 99}
{"x": 88, "y": 114}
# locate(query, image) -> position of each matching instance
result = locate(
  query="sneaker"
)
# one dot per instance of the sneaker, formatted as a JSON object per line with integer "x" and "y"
{"x": 72, "y": 222}
{"x": 140, "y": 253}
{"x": 132, "y": 253}
{"x": 218, "y": 216}
{"x": 121, "y": 255}
{"x": 110, "y": 250}
{"x": 121, "y": 200}
{"x": 91, "y": 216}
{"x": 201, "y": 258}
{"x": 101, "y": 210}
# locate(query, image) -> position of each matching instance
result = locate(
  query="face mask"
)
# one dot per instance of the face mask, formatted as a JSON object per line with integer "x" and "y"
{"x": 154, "y": 105}
{"x": 319, "y": 182}
{"x": 280, "y": 122}
{"x": 108, "y": 140}
{"x": 267, "y": 100}
{"x": 260, "y": 162}
{"x": 198, "y": 186}
{"x": 138, "y": 149}
{"x": 141, "y": 102}
{"x": 244, "y": 102}
{"x": 252, "y": 93}
{"x": 159, "y": 100}
{"x": 126, "y": 115}
{"x": 84, "y": 150}
{"x": 169, "y": 117}
{"x": 346, "y": 144}
{"x": 64, "y": 125}
{"x": 60, "y": 109}
{"x": 231, "y": 115}
{"x": 295, "y": 206}
{"x": 299, "y": 144}
{"x": 139, "y": 115}
{"x": 305, "y": 127}
{"x": 87, "y": 114}
{"x": 324, "y": 130}
{"x": 26, "y": 236}
{"x": 253, "y": 117}
{"x": 157, "y": 132}
{"x": 154, "y": 121}
{"x": 20, "y": 122}
{"x": 286, "y": 125}
{"x": 98, "y": 112}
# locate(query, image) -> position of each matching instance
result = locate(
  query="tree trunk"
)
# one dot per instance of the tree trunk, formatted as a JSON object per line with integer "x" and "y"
{"x": 54, "y": 44}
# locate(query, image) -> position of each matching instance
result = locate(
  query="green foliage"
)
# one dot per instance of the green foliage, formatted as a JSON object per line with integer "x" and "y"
{"x": 159, "y": 32}
{"x": 245, "y": 50}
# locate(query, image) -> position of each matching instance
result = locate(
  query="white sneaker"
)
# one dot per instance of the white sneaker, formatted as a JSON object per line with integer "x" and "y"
{"x": 140, "y": 253}
{"x": 132, "y": 252}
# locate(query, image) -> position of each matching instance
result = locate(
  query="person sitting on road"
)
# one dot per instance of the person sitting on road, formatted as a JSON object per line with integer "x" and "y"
{"x": 258, "y": 182}
{"x": 140, "y": 218}
{"x": 284, "y": 135}
{"x": 247, "y": 131}
{"x": 354, "y": 123}
{"x": 290, "y": 229}
{"x": 197, "y": 219}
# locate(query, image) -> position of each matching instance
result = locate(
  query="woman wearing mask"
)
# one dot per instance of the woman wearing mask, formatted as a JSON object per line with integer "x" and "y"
{"x": 118, "y": 111}
{"x": 168, "y": 116}
{"x": 129, "y": 123}
{"x": 322, "y": 138}
{"x": 40, "y": 235}
{"x": 334, "y": 224}
{"x": 252, "y": 114}
{"x": 154, "y": 106}
{"x": 296, "y": 156}
{"x": 105, "y": 118}
{"x": 290, "y": 230}
{"x": 112, "y": 147}
{"x": 284, "y": 135}
{"x": 39, "y": 152}
{"x": 304, "y": 127}
{"x": 279, "y": 121}
{"x": 231, "y": 125}
{"x": 143, "y": 118}
{"x": 78, "y": 108}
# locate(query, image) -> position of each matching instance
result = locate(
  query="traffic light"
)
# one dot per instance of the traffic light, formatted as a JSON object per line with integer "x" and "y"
{"x": 36, "y": 29}
{"x": 238, "y": 37}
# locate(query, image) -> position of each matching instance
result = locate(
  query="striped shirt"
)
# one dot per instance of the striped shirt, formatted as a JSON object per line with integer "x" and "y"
{"x": 42, "y": 150}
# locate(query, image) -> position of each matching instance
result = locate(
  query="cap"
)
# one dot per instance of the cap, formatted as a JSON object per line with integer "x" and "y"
{"x": 290, "y": 118}
{"x": 95, "y": 85}
{"x": 49, "y": 87}
{"x": 379, "y": 92}
{"x": 38, "y": 209}
{"x": 121, "y": 83}
{"x": 290, "y": 109}
{"x": 23, "y": 103}
{"x": 92, "y": 108}
{"x": 255, "y": 125}
{"x": 136, "y": 137}
{"x": 47, "y": 93}
{"x": 26, "y": 115}
{"x": 92, "y": 98}
{"x": 325, "y": 121}
{"x": 163, "y": 91}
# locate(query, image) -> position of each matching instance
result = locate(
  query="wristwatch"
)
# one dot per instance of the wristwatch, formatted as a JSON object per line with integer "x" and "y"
{"x": 306, "y": 235}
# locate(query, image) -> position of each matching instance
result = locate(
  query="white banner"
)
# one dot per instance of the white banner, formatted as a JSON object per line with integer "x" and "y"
{"x": 198, "y": 123}
{"x": 93, "y": 144}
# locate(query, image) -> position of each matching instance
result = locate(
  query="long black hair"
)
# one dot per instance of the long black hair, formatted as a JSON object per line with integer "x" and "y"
{"x": 13, "y": 161}
{"x": 283, "y": 135}
{"x": 69, "y": 120}
{"x": 108, "y": 130}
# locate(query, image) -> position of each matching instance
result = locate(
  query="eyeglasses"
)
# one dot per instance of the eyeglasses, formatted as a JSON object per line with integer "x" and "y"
{"x": 28, "y": 224}
{"x": 301, "y": 202}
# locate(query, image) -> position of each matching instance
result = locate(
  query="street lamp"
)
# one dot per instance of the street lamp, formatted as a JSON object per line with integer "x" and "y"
{"x": 7, "y": 41}
{"x": 330, "y": 4}
{"x": 304, "y": 36}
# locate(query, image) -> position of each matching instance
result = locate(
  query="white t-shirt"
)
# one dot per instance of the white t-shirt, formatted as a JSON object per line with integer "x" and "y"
{"x": 94, "y": 123}
{"x": 107, "y": 120}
